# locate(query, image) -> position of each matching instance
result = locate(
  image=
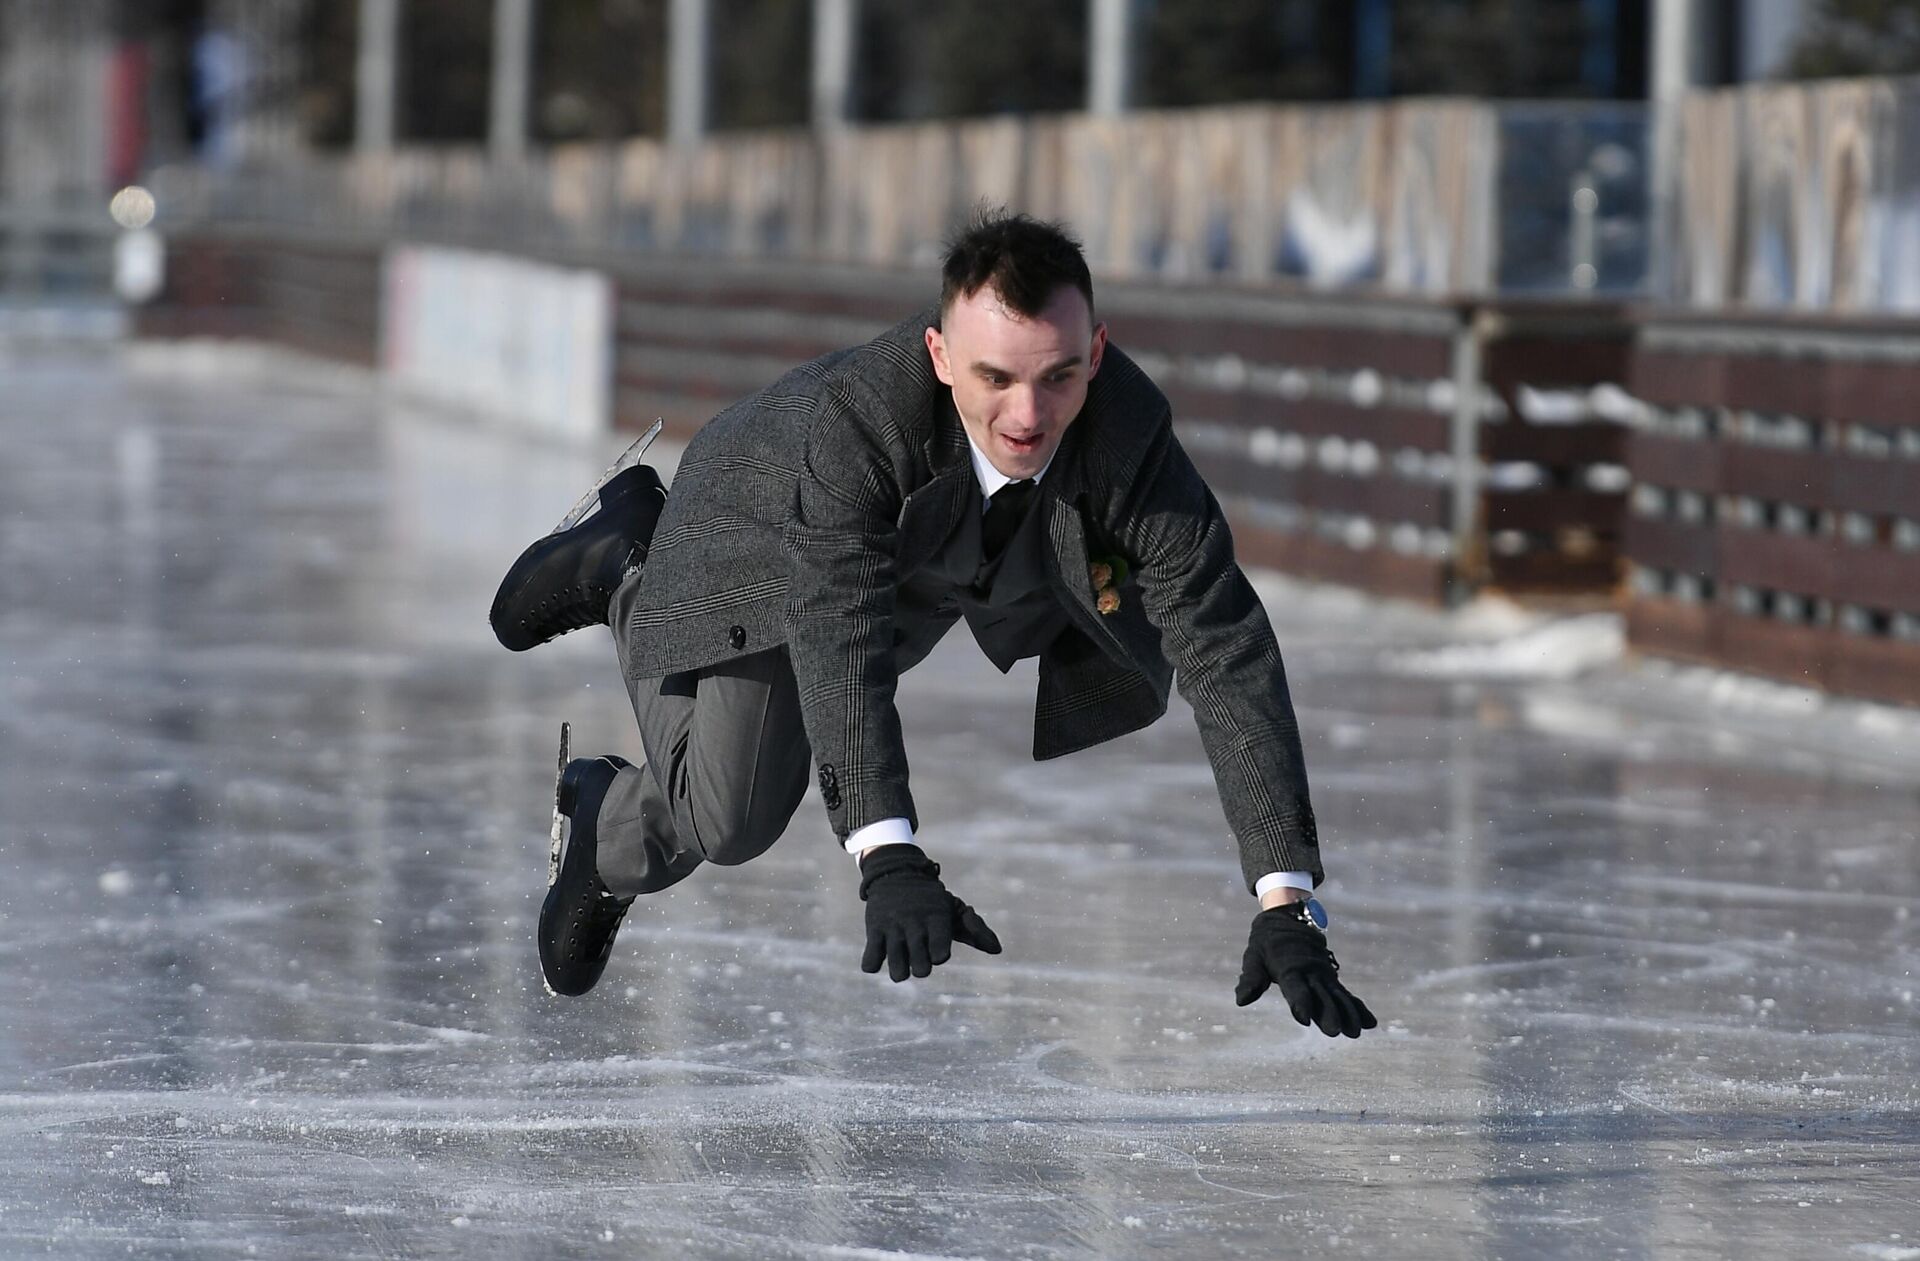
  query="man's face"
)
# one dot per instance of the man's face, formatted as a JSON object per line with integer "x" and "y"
{"x": 1017, "y": 382}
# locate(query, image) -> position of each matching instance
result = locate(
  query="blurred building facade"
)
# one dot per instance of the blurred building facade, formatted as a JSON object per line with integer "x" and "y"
{"x": 97, "y": 86}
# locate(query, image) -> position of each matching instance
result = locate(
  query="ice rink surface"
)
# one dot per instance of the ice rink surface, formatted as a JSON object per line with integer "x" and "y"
{"x": 1643, "y": 942}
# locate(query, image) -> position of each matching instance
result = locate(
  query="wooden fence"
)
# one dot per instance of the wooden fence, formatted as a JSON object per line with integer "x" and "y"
{"x": 319, "y": 297}
{"x": 1775, "y": 523}
{"x": 1759, "y": 481}
{"x": 1423, "y": 449}
{"x": 1347, "y": 436}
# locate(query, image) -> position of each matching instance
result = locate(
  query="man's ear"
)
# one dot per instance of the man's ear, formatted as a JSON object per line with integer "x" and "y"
{"x": 937, "y": 351}
{"x": 1098, "y": 349}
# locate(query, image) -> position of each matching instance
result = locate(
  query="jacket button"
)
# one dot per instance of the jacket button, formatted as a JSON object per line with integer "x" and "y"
{"x": 737, "y": 636}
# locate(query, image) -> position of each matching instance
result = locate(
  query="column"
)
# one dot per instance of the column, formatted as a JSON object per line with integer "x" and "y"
{"x": 512, "y": 70}
{"x": 834, "y": 22}
{"x": 1110, "y": 56}
{"x": 1675, "y": 64}
{"x": 1372, "y": 48}
{"x": 687, "y": 71}
{"x": 376, "y": 76}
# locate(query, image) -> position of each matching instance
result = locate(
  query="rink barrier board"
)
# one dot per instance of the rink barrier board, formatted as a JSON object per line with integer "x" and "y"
{"x": 1561, "y": 534}
{"x": 1827, "y": 480}
{"x": 522, "y": 341}
{"x": 1825, "y": 658}
{"x": 756, "y": 324}
{"x": 1779, "y": 464}
{"x": 733, "y": 339}
{"x": 322, "y": 299}
{"x": 1804, "y": 384}
{"x": 663, "y": 323}
{"x": 1390, "y": 427}
{"x": 1378, "y": 498}
{"x": 1577, "y": 535}
{"x": 1826, "y": 568}
{"x": 1289, "y": 551}
{"x": 692, "y": 338}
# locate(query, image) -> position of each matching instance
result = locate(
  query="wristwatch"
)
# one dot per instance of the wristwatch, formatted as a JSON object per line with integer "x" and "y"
{"x": 1309, "y": 912}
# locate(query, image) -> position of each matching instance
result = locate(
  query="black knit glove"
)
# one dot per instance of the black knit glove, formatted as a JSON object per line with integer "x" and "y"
{"x": 912, "y": 921}
{"x": 1285, "y": 951}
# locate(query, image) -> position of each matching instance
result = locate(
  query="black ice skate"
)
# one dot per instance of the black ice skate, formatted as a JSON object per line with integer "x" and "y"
{"x": 581, "y": 915}
{"x": 564, "y": 581}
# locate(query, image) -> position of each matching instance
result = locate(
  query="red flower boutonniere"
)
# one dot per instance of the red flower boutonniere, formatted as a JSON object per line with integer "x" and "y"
{"x": 1107, "y": 574}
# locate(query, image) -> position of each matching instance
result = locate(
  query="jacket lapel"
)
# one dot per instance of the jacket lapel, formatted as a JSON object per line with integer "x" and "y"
{"x": 929, "y": 514}
{"x": 1067, "y": 557}
{"x": 928, "y": 517}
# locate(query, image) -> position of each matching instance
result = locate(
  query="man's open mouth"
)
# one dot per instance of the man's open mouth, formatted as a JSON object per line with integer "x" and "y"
{"x": 1023, "y": 444}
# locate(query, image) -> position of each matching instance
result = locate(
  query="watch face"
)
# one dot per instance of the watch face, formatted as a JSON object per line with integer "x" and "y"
{"x": 1317, "y": 913}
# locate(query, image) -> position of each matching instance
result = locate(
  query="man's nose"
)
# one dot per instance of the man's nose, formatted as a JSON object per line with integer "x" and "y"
{"x": 1023, "y": 406}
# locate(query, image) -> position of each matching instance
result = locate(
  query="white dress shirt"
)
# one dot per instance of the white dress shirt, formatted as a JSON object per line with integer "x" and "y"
{"x": 897, "y": 831}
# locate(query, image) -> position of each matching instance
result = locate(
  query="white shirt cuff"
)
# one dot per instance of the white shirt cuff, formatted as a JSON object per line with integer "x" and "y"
{"x": 879, "y": 832}
{"x": 1282, "y": 880}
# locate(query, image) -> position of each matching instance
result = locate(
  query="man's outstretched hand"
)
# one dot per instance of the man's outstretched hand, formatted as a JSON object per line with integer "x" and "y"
{"x": 912, "y": 921}
{"x": 1284, "y": 951}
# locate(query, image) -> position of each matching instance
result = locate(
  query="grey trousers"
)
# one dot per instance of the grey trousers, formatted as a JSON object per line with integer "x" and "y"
{"x": 727, "y": 764}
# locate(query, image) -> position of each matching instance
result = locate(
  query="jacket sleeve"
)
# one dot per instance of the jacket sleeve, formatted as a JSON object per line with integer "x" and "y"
{"x": 840, "y": 542}
{"x": 1226, "y": 661}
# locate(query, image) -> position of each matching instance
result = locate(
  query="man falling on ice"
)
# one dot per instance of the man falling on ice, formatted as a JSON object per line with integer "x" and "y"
{"x": 991, "y": 460}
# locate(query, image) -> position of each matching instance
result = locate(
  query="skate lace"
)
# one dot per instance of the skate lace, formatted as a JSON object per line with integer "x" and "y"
{"x": 581, "y": 605}
{"x": 570, "y": 610}
{"x": 606, "y": 911}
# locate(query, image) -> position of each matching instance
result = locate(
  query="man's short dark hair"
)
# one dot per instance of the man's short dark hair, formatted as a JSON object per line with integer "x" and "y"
{"x": 1023, "y": 258}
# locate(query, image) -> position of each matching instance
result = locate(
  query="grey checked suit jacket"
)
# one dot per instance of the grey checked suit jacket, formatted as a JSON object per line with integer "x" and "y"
{"x": 796, "y": 513}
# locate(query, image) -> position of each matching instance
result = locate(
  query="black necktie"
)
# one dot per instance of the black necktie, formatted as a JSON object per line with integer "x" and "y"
{"x": 1005, "y": 510}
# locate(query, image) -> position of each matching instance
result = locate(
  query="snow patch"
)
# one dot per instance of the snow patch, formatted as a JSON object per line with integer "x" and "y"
{"x": 1556, "y": 650}
{"x": 459, "y": 1037}
{"x": 1493, "y": 617}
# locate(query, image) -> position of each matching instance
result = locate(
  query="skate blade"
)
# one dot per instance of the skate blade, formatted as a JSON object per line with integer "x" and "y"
{"x": 553, "y": 851}
{"x": 628, "y": 458}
